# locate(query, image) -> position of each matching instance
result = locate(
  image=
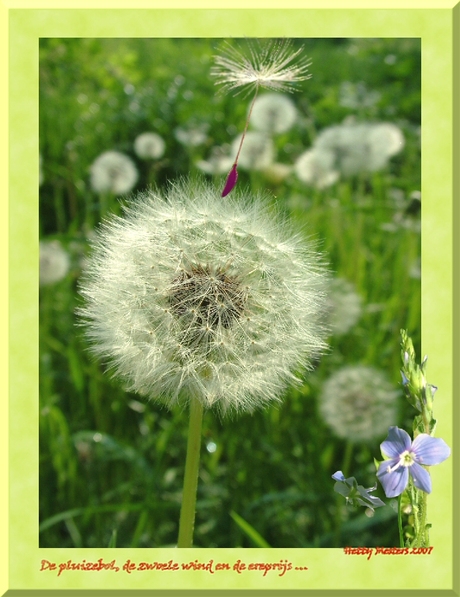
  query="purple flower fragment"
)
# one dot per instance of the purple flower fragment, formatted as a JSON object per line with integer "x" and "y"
{"x": 354, "y": 494}
{"x": 408, "y": 458}
{"x": 231, "y": 181}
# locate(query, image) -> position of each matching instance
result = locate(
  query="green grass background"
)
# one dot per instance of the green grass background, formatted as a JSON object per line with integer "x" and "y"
{"x": 111, "y": 464}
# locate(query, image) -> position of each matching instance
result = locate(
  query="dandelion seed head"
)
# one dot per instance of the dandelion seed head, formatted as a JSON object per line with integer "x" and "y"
{"x": 113, "y": 172}
{"x": 188, "y": 295}
{"x": 345, "y": 306}
{"x": 316, "y": 168}
{"x": 273, "y": 65}
{"x": 54, "y": 262}
{"x": 273, "y": 113}
{"x": 360, "y": 147}
{"x": 358, "y": 403}
{"x": 149, "y": 146}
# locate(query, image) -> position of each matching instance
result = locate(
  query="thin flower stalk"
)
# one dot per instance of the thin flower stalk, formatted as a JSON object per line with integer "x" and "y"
{"x": 192, "y": 462}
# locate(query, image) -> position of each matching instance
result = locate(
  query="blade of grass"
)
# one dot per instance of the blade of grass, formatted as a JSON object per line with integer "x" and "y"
{"x": 249, "y": 531}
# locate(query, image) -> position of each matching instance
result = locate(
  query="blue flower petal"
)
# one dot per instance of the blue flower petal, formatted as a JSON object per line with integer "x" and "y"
{"x": 421, "y": 477}
{"x": 396, "y": 442}
{"x": 338, "y": 476}
{"x": 394, "y": 482}
{"x": 430, "y": 450}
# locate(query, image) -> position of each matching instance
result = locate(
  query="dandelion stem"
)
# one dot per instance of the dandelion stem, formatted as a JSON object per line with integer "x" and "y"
{"x": 233, "y": 174}
{"x": 338, "y": 510}
{"x": 246, "y": 125}
{"x": 187, "y": 513}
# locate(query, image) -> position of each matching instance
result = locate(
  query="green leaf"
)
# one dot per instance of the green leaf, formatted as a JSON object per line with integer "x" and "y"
{"x": 249, "y": 531}
{"x": 113, "y": 539}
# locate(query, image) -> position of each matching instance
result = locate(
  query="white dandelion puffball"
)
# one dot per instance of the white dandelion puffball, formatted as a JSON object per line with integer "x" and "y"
{"x": 189, "y": 295}
{"x": 360, "y": 147}
{"x": 345, "y": 306}
{"x": 54, "y": 262}
{"x": 273, "y": 113}
{"x": 359, "y": 403}
{"x": 386, "y": 139}
{"x": 113, "y": 172}
{"x": 316, "y": 168}
{"x": 257, "y": 153}
{"x": 149, "y": 146}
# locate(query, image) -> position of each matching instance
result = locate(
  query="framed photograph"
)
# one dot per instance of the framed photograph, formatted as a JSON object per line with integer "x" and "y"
{"x": 231, "y": 286}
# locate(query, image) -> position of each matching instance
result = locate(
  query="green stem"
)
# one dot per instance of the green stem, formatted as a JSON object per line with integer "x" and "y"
{"x": 246, "y": 125}
{"x": 400, "y": 526}
{"x": 347, "y": 458}
{"x": 187, "y": 513}
{"x": 338, "y": 507}
{"x": 422, "y": 538}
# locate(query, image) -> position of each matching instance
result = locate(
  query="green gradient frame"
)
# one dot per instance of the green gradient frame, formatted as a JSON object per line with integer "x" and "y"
{"x": 329, "y": 570}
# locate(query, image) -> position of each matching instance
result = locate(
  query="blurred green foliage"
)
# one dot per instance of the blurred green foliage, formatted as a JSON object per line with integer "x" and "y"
{"x": 111, "y": 464}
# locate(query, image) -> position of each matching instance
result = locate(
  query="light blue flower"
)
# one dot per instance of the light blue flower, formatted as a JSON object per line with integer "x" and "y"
{"x": 408, "y": 458}
{"x": 354, "y": 494}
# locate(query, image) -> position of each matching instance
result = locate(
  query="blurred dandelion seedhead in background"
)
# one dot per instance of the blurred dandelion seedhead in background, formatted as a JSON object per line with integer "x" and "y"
{"x": 360, "y": 147}
{"x": 188, "y": 296}
{"x": 113, "y": 172}
{"x": 345, "y": 306}
{"x": 359, "y": 403}
{"x": 149, "y": 146}
{"x": 316, "y": 168}
{"x": 54, "y": 262}
{"x": 347, "y": 150}
{"x": 273, "y": 113}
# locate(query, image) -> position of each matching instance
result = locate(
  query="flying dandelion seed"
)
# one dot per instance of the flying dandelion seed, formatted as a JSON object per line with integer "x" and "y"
{"x": 275, "y": 66}
{"x": 270, "y": 66}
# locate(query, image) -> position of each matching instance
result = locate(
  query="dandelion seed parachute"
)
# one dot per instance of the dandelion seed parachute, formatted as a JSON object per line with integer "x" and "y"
{"x": 273, "y": 65}
{"x": 191, "y": 296}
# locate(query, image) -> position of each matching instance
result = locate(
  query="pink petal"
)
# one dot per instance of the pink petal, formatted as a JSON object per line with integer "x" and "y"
{"x": 231, "y": 181}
